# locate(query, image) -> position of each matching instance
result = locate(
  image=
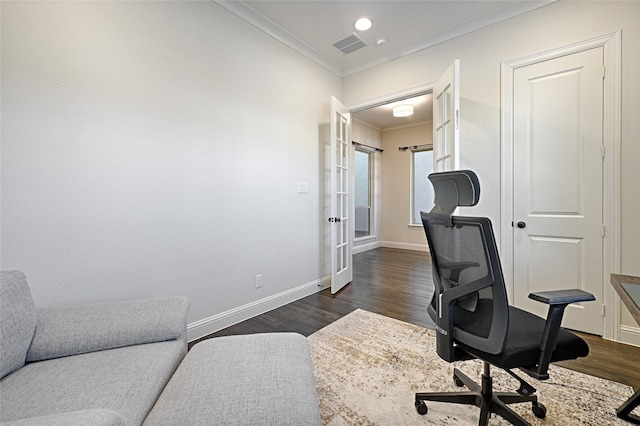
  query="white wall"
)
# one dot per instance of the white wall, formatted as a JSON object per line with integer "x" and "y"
{"x": 155, "y": 148}
{"x": 148, "y": 149}
{"x": 396, "y": 187}
{"x": 481, "y": 53}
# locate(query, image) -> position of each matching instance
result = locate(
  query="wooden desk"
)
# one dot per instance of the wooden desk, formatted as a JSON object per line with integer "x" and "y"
{"x": 628, "y": 288}
{"x": 628, "y": 298}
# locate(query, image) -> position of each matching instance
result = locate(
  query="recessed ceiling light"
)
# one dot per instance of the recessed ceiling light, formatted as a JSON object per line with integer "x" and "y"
{"x": 363, "y": 24}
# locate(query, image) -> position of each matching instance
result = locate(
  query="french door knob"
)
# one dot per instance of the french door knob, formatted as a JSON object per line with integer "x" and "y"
{"x": 521, "y": 225}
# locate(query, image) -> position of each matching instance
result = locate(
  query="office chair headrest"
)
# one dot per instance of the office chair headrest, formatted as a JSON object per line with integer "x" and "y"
{"x": 453, "y": 189}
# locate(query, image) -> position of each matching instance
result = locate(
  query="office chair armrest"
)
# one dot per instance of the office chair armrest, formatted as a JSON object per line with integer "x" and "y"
{"x": 557, "y": 301}
{"x": 566, "y": 297}
{"x": 443, "y": 317}
{"x": 449, "y": 296}
{"x": 457, "y": 267}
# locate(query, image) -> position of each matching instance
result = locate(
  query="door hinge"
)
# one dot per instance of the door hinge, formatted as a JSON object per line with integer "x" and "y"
{"x": 603, "y": 310}
{"x": 603, "y": 151}
{"x": 458, "y": 119}
{"x": 604, "y": 230}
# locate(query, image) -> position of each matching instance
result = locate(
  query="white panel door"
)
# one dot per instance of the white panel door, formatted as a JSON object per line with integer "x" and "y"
{"x": 557, "y": 193}
{"x": 446, "y": 120}
{"x": 341, "y": 209}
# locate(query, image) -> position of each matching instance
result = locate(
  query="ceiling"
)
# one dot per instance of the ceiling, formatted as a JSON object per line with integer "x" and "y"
{"x": 312, "y": 27}
{"x": 381, "y": 117}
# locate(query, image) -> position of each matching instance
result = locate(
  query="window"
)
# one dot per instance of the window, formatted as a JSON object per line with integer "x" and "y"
{"x": 363, "y": 193}
{"x": 421, "y": 189}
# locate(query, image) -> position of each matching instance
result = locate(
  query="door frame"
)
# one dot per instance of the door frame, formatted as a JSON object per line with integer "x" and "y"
{"x": 375, "y": 102}
{"x": 394, "y": 96}
{"x": 611, "y": 45}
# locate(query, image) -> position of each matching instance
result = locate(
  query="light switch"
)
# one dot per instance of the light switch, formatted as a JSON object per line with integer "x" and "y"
{"x": 303, "y": 187}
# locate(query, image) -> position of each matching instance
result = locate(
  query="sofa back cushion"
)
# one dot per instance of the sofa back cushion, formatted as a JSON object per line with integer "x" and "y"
{"x": 17, "y": 320}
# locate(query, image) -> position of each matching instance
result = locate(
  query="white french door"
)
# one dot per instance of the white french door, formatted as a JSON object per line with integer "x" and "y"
{"x": 446, "y": 120}
{"x": 558, "y": 183}
{"x": 341, "y": 210}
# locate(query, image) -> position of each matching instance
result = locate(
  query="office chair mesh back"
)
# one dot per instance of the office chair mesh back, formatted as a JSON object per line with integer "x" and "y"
{"x": 459, "y": 260}
{"x": 464, "y": 256}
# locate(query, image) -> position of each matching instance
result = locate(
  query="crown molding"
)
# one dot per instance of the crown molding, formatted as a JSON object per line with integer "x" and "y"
{"x": 258, "y": 20}
{"x": 461, "y": 29}
{"x": 366, "y": 123}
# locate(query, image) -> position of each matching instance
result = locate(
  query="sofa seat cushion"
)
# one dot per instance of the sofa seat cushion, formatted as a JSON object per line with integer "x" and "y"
{"x": 17, "y": 320}
{"x": 259, "y": 379}
{"x": 126, "y": 380}
{"x": 93, "y": 417}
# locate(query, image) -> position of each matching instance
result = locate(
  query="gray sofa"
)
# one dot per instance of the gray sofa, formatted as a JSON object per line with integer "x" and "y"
{"x": 126, "y": 363}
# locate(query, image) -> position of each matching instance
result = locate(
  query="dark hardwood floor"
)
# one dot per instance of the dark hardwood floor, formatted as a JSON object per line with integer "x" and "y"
{"x": 398, "y": 284}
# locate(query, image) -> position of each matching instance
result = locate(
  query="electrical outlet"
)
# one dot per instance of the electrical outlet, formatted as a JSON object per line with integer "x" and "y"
{"x": 259, "y": 281}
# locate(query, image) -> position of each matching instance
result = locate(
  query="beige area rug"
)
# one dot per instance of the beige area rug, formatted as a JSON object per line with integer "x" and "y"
{"x": 369, "y": 366}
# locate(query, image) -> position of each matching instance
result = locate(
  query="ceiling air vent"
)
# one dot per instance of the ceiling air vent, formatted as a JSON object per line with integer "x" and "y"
{"x": 349, "y": 44}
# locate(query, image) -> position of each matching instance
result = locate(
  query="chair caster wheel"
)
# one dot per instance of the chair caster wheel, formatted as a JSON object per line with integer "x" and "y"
{"x": 421, "y": 407}
{"x": 539, "y": 410}
{"x": 457, "y": 381}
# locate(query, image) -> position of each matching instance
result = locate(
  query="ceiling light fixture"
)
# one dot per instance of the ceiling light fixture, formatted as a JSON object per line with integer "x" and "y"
{"x": 403, "y": 111}
{"x": 363, "y": 24}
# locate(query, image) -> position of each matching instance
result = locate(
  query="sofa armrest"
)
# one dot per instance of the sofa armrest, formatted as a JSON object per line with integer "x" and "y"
{"x": 64, "y": 331}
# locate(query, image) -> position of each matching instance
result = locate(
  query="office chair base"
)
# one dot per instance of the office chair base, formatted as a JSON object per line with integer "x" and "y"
{"x": 484, "y": 398}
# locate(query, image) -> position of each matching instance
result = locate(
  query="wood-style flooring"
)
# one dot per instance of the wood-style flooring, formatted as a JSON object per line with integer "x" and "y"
{"x": 398, "y": 284}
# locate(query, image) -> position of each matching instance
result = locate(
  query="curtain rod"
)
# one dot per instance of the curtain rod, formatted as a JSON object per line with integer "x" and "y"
{"x": 366, "y": 146}
{"x": 404, "y": 148}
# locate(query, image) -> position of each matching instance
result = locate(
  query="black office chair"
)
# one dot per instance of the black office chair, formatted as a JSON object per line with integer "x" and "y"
{"x": 471, "y": 312}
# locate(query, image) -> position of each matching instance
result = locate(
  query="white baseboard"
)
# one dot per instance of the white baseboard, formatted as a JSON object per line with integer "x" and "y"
{"x": 630, "y": 335}
{"x": 222, "y": 320}
{"x": 405, "y": 246}
{"x": 360, "y": 248}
